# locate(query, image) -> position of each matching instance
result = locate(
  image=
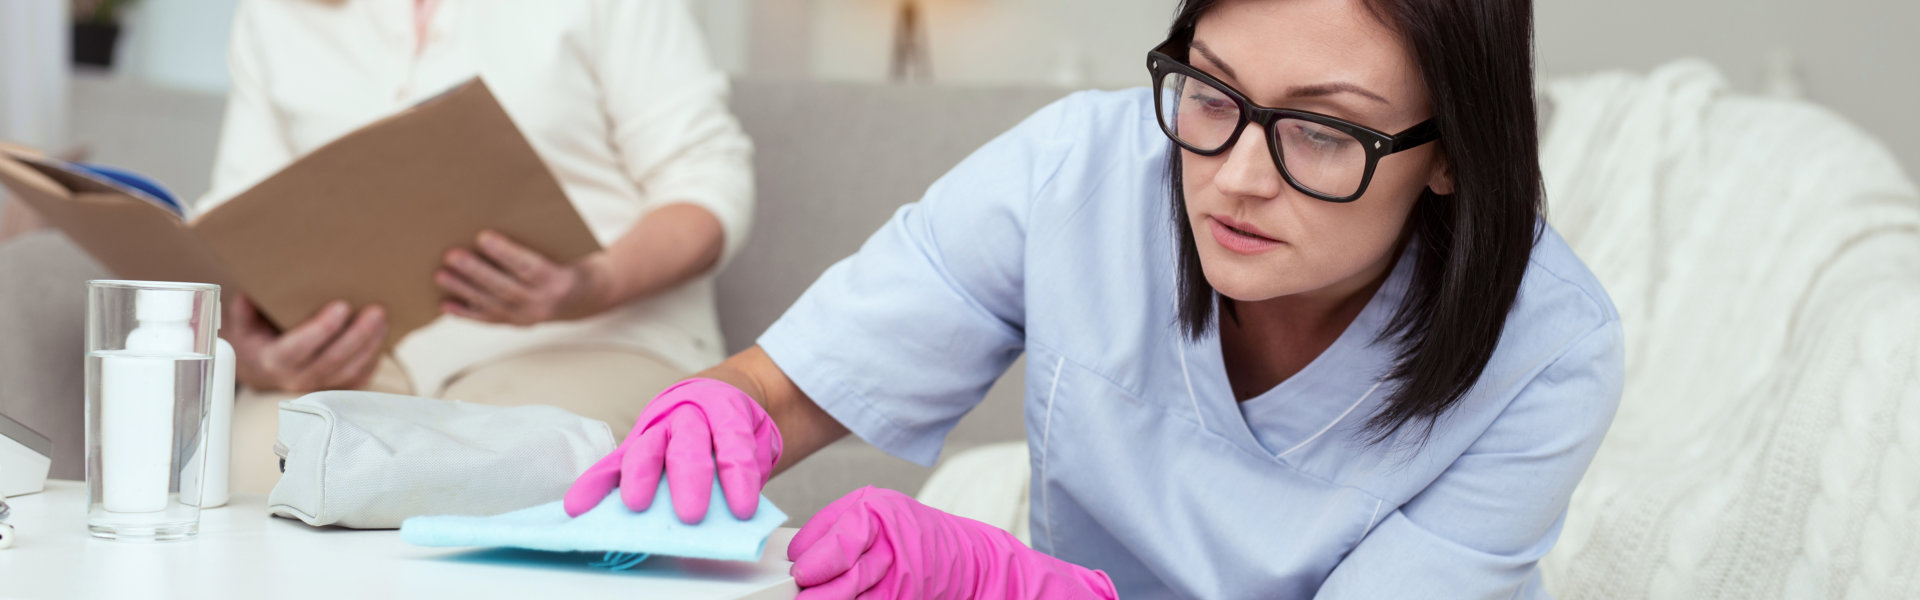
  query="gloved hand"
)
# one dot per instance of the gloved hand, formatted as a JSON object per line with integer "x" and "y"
{"x": 879, "y": 543}
{"x": 681, "y": 433}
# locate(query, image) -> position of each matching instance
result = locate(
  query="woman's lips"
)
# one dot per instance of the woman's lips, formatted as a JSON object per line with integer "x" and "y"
{"x": 1238, "y": 239}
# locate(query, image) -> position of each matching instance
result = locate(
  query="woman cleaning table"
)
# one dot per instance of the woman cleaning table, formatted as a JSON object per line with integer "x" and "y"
{"x": 1294, "y": 326}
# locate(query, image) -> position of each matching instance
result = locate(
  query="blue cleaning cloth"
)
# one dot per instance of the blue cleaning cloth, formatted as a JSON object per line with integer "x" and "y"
{"x": 610, "y": 528}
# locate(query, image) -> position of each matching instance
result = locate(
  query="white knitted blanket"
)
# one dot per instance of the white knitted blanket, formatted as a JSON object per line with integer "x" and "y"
{"x": 1765, "y": 258}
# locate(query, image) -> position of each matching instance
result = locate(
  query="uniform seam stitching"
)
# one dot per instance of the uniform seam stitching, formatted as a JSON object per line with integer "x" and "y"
{"x": 1046, "y": 451}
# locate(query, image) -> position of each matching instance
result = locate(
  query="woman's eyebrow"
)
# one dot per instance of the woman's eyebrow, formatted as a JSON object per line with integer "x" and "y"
{"x": 1208, "y": 54}
{"x": 1301, "y": 91}
{"x": 1328, "y": 89}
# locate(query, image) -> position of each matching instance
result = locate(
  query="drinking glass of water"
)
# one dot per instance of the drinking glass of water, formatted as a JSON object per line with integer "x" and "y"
{"x": 150, "y": 348}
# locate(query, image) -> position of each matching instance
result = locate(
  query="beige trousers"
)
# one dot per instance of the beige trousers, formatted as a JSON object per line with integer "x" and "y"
{"x": 609, "y": 384}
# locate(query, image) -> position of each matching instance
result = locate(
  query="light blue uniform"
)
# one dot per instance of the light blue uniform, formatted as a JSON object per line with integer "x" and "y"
{"x": 1056, "y": 239}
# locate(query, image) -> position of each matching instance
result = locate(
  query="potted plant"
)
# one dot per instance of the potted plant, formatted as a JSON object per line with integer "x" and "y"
{"x": 96, "y": 28}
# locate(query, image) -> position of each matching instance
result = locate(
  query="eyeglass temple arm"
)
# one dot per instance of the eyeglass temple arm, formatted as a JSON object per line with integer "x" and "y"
{"x": 1426, "y": 131}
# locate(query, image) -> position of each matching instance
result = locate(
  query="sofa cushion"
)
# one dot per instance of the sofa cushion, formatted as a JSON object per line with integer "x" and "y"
{"x": 43, "y": 312}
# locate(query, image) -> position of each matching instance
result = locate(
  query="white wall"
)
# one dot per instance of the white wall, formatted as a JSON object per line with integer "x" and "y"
{"x": 33, "y": 73}
{"x": 1076, "y": 42}
{"x": 781, "y": 39}
{"x": 183, "y": 43}
{"x": 725, "y": 23}
{"x": 1860, "y": 57}
{"x": 179, "y": 43}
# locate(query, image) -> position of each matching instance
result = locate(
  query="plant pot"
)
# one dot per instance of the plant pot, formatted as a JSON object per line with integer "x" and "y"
{"x": 93, "y": 43}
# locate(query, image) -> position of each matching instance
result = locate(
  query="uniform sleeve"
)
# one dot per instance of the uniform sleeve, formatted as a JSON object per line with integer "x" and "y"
{"x": 1479, "y": 528}
{"x": 667, "y": 108}
{"x": 253, "y": 141}
{"x": 901, "y": 339}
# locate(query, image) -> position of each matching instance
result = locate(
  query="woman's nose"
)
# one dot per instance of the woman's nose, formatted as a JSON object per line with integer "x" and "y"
{"x": 1249, "y": 170}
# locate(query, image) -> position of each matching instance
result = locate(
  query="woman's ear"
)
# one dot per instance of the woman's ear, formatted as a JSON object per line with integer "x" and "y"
{"x": 1441, "y": 181}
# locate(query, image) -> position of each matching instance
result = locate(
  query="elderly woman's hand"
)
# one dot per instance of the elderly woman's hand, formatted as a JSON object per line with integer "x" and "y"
{"x": 509, "y": 283}
{"x": 336, "y": 349}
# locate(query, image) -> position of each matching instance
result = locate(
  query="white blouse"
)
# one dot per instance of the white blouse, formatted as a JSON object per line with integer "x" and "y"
{"x": 618, "y": 97}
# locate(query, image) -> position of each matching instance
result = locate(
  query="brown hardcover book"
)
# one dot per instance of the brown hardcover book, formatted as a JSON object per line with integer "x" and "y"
{"x": 366, "y": 218}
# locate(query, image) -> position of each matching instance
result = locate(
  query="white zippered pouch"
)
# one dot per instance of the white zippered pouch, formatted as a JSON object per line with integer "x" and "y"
{"x": 367, "y": 460}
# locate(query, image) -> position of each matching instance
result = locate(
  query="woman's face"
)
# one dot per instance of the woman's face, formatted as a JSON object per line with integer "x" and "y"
{"x": 1258, "y": 237}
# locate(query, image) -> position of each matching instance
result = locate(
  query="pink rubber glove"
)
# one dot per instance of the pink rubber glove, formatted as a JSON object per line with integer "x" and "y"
{"x": 878, "y": 543}
{"x": 681, "y": 433}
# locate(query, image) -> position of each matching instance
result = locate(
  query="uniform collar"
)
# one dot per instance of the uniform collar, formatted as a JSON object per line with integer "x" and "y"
{"x": 1329, "y": 399}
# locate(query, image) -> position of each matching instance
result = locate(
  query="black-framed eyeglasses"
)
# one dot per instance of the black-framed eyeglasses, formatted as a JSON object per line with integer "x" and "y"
{"x": 1325, "y": 157}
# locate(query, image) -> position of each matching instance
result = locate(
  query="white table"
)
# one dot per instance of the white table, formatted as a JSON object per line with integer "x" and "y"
{"x": 242, "y": 552}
